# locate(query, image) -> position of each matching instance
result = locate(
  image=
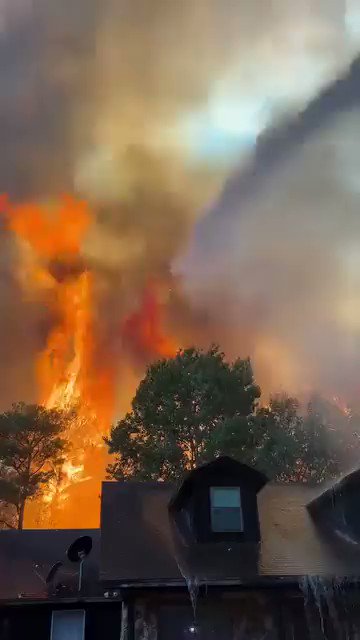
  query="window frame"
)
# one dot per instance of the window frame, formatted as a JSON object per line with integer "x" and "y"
{"x": 57, "y": 611}
{"x": 224, "y": 530}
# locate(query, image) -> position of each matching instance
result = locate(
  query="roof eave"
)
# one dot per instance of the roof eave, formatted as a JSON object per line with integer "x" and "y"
{"x": 30, "y": 601}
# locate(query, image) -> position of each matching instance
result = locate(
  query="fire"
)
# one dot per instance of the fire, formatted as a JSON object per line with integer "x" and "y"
{"x": 55, "y": 236}
{"x": 69, "y": 370}
{"x": 67, "y": 375}
{"x": 52, "y": 232}
{"x": 143, "y": 329}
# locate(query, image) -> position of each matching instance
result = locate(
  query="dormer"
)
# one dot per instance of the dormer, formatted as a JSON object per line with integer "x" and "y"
{"x": 218, "y": 503}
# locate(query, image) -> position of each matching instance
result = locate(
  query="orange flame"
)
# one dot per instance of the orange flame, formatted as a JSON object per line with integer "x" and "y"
{"x": 68, "y": 371}
{"x": 143, "y": 330}
{"x": 51, "y": 232}
{"x": 55, "y": 237}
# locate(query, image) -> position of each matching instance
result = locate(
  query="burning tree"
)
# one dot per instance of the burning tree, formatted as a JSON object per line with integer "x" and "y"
{"x": 70, "y": 375}
{"x": 31, "y": 453}
{"x": 76, "y": 364}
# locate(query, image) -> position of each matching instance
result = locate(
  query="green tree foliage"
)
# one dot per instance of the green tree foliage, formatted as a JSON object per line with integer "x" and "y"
{"x": 291, "y": 445}
{"x": 195, "y": 407}
{"x": 330, "y": 441}
{"x": 31, "y": 449}
{"x": 267, "y": 440}
{"x": 176, "y": 412}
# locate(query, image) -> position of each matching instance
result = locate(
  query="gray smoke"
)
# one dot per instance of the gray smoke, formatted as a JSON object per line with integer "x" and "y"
{"x": 280, "y": 251}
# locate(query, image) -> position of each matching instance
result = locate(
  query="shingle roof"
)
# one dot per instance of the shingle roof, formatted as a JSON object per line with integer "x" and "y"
{"x": 138, "y": 543}
{"x": 136, "y": 539}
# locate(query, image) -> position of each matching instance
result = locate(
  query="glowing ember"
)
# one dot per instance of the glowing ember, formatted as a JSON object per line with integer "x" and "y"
{"x": 342, "y": 406}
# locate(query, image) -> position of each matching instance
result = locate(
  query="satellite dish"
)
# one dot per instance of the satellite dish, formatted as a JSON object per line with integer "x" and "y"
{"x": 79, "y": 549}
{"x": 53, "y": 571}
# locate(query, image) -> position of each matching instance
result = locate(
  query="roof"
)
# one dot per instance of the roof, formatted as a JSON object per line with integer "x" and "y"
{"x": 20, "y": 551}
{"x": 139, "y": 543}
{"x": 136, "y": 539}
{"x": 349, "y": 480}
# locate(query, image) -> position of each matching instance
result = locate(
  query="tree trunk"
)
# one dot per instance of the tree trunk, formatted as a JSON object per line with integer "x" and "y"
{"x": 21, "y": 514}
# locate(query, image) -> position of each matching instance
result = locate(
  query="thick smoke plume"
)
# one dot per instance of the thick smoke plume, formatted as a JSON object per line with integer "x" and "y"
{"x": 144, "y": 108}
{"x": 284, "y": 241}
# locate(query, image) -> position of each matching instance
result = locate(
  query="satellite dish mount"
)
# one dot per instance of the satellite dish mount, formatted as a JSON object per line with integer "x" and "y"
{"x": 78, "y": 552}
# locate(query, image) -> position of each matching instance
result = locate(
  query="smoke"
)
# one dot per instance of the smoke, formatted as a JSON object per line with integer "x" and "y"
{"x": 284, "y": 243}
{"x": 145, "y": 108}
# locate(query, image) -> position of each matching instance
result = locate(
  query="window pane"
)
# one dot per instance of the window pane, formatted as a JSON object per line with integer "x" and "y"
{"x": 68, "y": 625}
{"x": 224, "y": 519}
{"x": 225, "y": 496}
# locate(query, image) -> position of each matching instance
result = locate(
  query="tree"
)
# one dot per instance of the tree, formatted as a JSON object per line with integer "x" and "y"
{"x": 266, "y": 440}
{"x": 31, "y": 450}
{"x": 196, "y": 406}
{"x": 291, "y": 446}
{"x": 329, "y": 440}
{"x": 177, "y": 411}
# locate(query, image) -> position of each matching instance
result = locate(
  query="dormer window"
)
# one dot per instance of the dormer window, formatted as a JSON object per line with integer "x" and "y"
{"x": 218, "y": 503}
{"x": 226, "y": 511}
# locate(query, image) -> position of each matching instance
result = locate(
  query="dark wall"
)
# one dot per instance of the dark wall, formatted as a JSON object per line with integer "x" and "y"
{"x": 34, "y": 621}
{"x": 177, "y": 623}
{"x": 338, "y": 511}
{"x": 24, "y": 622}
{"x": 262, "y": 615}
{"x": 103, "y": 622}
{"x": 351, "y": 510}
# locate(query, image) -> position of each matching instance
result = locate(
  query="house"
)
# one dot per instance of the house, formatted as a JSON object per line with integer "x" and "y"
{"x": 227, "y": 555}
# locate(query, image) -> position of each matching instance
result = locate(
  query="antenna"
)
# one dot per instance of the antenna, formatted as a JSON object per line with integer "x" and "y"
{"x": 53, "y": 571}
{"x": 78, "y": 551}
